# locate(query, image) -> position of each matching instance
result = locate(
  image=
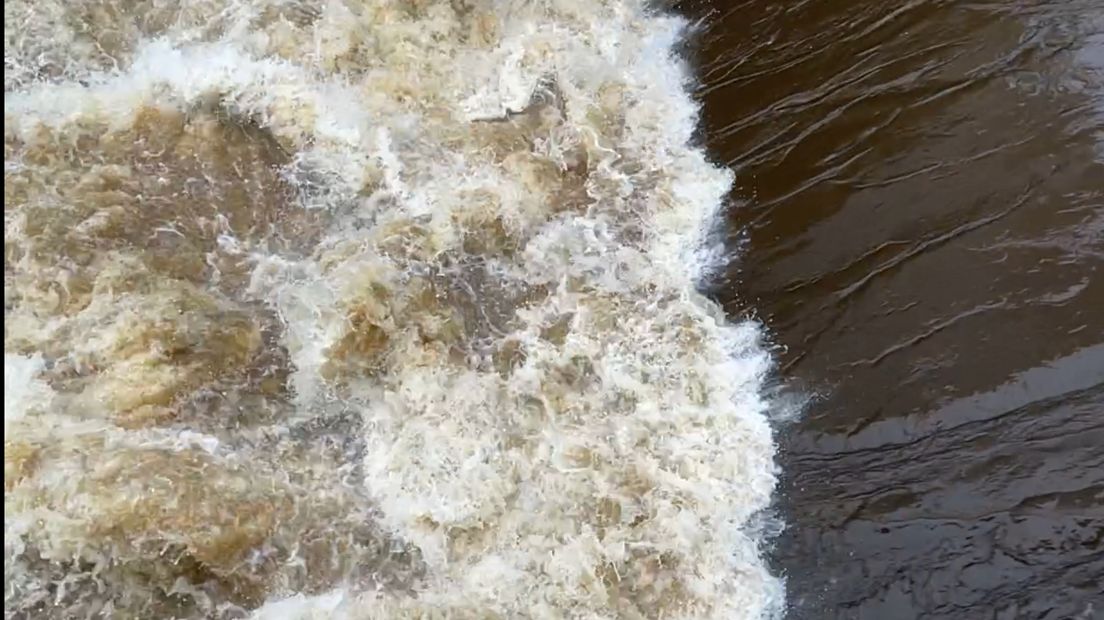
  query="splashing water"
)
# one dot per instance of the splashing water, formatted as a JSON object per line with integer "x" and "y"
{"x": 369, "y": 310}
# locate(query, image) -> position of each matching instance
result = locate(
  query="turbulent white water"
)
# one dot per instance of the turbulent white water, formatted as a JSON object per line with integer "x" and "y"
{"x": 369, "y": 310}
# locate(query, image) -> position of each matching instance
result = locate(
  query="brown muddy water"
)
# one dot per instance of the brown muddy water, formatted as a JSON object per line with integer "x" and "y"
{"x": 376, "y": 309}
{"x": 920, "y": 224}
{"x": 369, "y": 309}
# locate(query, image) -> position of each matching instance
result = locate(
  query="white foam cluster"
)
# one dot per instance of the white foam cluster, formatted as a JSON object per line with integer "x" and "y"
{"x": 24, "y": 390}
{"x": 550, "y": 414}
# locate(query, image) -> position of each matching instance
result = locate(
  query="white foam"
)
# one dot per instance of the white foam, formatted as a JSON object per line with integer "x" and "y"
{"x": 24, "y": 391}
{"x": 560, "y": 428}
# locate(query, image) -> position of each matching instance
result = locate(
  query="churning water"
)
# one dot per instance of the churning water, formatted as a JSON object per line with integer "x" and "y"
{"x": 369, "y": 310}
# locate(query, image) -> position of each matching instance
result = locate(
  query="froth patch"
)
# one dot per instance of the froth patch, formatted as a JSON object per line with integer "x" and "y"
{"x": 376, "y": 309}
{"x": 26, "y": 390}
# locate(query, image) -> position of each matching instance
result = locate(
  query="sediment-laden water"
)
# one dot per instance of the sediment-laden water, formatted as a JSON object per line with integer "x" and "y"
{"x": 921, "y": 225}
{"x": 370, "y": 310}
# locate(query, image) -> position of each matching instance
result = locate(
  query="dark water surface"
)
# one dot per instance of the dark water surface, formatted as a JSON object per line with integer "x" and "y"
{"x": 922, "y": 230}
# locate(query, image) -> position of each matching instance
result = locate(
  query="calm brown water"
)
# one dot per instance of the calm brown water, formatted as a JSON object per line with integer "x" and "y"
{"x": 921, "y": 226}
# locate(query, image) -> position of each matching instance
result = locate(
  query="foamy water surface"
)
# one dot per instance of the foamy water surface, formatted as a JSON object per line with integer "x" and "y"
{"x": 369, "y": 310}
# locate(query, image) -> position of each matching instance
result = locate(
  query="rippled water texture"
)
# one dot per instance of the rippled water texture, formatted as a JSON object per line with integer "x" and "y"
{"x": 922, "y": 228}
